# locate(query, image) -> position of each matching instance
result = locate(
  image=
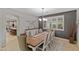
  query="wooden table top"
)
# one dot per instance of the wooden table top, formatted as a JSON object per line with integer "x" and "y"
{"x": 35, "y": 40}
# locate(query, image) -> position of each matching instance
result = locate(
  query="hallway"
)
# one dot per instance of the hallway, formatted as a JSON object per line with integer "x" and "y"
{"x": 11, "y": 43}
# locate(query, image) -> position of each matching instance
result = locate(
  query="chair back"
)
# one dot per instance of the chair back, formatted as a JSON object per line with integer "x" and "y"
{"x": 52, "y": 35}
{"x": 46, "y": 40}
{"x": 27, "y": 33}
{"x": 40, "y": 30}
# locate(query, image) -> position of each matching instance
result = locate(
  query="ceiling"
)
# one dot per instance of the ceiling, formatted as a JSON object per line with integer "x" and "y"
{"x": 38, "y": 11}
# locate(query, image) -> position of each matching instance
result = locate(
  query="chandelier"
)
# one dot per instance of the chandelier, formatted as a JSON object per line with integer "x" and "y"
{"x": 42, "y": 17}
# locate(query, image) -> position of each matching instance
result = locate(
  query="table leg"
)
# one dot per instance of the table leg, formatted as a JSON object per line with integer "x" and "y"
{"x": 34, "y": 49}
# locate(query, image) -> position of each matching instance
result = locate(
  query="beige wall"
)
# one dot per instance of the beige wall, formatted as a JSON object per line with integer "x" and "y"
{"x": 77, "y": 22}
{"x": 2, "y": 29}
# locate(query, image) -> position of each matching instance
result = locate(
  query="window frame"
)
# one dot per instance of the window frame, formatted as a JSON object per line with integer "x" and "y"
{"x": 49, "y": 20}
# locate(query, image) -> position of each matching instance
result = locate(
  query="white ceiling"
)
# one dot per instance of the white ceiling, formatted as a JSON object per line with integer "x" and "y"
{"x": 38, "y": 11}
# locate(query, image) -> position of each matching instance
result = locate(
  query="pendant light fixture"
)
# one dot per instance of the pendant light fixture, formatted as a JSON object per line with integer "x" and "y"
{"x": 42, "y": 17}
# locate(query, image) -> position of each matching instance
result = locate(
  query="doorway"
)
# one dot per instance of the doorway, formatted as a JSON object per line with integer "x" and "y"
{"x": 11, "y": 33}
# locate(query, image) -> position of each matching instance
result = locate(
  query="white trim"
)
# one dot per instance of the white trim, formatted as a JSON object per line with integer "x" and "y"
{"x": 34, "y": 48}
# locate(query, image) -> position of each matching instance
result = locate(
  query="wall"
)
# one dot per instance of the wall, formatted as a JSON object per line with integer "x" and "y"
{"x": 24, "y": 24}
{"x": 77, "y": 27}
{"x": 69, "y": 23}
{"x": 2, "y": 29}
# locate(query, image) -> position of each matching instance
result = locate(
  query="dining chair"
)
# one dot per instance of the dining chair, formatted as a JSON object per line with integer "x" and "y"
{"x": 40, "y": 30}
{"x": 46, "y": 39}
{"x": 27, "y": 33}
{"x": 52, "y": 35}
{"x": 52, "y": 41}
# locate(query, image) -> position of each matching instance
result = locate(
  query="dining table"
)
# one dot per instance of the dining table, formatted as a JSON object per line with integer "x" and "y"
{"x": 36, "y": 40}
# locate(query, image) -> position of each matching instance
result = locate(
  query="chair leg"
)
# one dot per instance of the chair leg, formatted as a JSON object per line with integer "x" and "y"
{"x": 45, "y": 49}
{"x": 34, "y": 49}
{"x": 49, "y": 45}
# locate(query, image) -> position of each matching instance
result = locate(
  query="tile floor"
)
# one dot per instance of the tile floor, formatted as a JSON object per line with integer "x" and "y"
{"x": 11, "y": 43}
{"x": 61, "y": 44}
{"x": 64, "y": 45}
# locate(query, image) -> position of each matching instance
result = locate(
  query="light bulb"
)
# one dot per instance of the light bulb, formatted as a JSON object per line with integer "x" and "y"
{"x": 40, "y": 19}
{"x": 44, "y": 19}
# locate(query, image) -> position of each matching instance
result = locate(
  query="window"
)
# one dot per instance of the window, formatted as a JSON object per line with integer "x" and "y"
{"x": 60, "y": 23}
{"x": 56, "y": 23}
